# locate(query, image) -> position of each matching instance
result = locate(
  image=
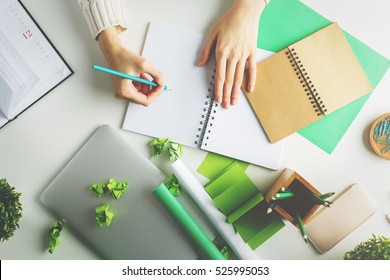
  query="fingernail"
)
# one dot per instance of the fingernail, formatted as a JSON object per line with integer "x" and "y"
{"x": 226, "y": 105}
{"x": 218, "y": 99}
{"x": 200, "y": 62}
{"x": 251, "y": 88}
{"x": 234, "y": 101}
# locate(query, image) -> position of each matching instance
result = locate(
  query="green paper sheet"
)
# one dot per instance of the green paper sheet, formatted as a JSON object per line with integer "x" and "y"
{"x": 257, "y": 226}
{"x": 204, "y": 246}
{"x": 224, "y": 180}
{"x": 284, "y": 22}
{"x": 214, "y": 164}
{"x": 245, "y": 208}
{"x": 237, "y": 197}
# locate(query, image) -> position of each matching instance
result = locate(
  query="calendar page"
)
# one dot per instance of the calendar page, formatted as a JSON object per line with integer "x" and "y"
{"x": 30, "y": 66}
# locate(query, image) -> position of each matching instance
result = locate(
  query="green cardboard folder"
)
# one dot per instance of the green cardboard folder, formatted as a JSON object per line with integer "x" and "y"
{"x": 284, "y": 22}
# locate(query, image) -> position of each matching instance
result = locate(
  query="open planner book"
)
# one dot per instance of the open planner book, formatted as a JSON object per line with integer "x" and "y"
{"x": 188, "y": 114}
{"x": 29, "y": 64}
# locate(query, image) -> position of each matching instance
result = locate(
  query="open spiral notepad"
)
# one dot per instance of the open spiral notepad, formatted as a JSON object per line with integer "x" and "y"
{"x": 188, "y": 114}
{"x": 309, "y": 79}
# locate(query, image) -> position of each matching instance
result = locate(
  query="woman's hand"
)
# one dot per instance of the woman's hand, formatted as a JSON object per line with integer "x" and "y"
{"x": 124, "y": 60}
{"x": 235, "y": 39}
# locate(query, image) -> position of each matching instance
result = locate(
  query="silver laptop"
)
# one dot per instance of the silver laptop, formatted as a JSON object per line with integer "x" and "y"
{"x": 141, "y": 228}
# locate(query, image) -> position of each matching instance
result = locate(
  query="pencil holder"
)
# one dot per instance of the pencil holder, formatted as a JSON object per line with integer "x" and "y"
{"x": 304, "y": 200}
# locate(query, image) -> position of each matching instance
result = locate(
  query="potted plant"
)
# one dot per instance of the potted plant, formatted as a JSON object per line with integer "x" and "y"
{"x": 10, "y": 210}
{"x": 374, "y": 248}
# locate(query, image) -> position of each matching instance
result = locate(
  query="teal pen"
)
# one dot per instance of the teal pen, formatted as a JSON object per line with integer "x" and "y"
{"x": 125, "y": 76}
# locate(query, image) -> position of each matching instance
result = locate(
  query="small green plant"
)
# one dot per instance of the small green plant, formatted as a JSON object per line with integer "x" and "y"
{"x": 10, "y": 210}
{"x": 375, "y": 248}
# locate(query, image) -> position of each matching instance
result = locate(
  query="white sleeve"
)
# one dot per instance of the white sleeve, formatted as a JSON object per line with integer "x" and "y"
{"x": 100, "y": 14}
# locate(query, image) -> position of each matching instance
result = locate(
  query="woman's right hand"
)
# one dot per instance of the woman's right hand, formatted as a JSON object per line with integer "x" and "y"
{"x": 124, "y": 60}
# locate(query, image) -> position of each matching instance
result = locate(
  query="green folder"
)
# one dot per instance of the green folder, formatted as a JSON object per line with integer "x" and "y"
{"x": 284, "y": 22}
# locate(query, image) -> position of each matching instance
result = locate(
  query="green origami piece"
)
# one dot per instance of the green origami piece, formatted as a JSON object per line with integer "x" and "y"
{"x": 173, "y": 185}
{"x": 117, "y": 189}
{"x": 175, "y": 151}
{"x": 54, "y": 236}
{"x": 225, "y": 251}
{"x": 158, "y": 145}
{"x": 98, "y": 189}
{"x": 103, "y": 215}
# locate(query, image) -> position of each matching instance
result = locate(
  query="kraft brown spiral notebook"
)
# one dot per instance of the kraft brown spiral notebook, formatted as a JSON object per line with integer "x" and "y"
{"x": 306, "y": 81}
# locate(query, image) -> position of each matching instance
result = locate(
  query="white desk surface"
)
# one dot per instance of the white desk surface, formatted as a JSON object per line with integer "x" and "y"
{"x": 37, "y": 145}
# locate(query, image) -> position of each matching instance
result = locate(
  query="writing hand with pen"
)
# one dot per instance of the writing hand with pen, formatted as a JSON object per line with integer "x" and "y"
{"x": 125, "y": 61}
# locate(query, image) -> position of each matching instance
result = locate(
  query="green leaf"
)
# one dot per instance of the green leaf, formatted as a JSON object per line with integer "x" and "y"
{"x": 158, "y": 145}
{"x": 104, "y": 215}
{"x": 54, "y": 236}
{"x": 10, "y": 210}
{"x": 374, "y": 248}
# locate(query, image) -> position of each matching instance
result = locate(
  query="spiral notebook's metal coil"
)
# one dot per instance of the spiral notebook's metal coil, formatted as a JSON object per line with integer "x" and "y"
{"x": 208, "y": 115}
{"x": 308, "y": 86}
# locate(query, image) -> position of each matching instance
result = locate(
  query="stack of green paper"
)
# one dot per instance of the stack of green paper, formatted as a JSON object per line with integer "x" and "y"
{"x": 236, "y": 196}
{"x": 284, "y": 22}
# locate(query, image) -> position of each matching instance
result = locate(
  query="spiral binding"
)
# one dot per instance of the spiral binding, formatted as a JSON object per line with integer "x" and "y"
{"x": 207, "y": 116}
{"x": 306, "y": 82}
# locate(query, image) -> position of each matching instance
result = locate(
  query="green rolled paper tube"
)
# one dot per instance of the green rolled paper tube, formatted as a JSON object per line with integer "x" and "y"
{"x": 203, "y": 245}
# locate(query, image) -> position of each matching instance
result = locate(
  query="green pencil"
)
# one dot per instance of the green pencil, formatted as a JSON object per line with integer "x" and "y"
{"x": 320, "y": 200}
{"x": 271, "y": 207}
{"x": 301, "y": 227}
{"x": 326, "y": 195}
{"x": 283, "y": 195}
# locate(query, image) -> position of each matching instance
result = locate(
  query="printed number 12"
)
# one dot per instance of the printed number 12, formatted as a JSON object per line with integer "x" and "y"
{"x": 27, "y": 34}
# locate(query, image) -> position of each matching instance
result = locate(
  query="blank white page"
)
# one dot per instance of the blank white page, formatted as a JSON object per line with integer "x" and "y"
{"x": 177, "y": 113}
{"x": 237, "y": 133}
